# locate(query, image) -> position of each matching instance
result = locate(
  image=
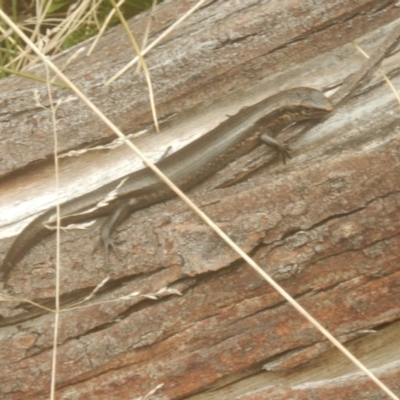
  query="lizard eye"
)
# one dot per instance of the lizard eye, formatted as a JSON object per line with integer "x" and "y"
{"x": 308, "y": 111}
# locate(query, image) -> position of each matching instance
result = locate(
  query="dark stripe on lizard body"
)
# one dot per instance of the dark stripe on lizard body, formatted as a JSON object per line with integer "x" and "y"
{"x": 190, "y": 165}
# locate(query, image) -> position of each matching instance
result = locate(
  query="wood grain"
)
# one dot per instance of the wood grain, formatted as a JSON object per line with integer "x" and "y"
{"x": 326, "y": 225}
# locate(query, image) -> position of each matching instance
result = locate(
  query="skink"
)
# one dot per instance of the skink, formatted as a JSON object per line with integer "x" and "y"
{"x": 233, "y": 138}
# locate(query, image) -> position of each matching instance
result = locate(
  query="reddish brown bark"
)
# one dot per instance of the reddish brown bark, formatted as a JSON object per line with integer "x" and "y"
{"x": 326, "y": 225}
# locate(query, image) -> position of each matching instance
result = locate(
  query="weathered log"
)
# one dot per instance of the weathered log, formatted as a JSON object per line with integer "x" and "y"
{"x": 326, "y": 225}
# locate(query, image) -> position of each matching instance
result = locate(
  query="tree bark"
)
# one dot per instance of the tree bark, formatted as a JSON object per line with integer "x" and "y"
{"x": 325, "y": 225}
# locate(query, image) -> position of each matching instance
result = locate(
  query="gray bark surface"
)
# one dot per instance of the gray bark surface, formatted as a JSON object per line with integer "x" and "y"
{"x": 325, "y": 225}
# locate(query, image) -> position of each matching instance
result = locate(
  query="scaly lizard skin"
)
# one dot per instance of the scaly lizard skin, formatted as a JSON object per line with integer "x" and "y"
{"x": 233, "y": 138}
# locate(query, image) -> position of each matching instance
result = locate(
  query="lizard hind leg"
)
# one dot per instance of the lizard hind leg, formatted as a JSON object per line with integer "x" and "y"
{"x": 118, "y": 215}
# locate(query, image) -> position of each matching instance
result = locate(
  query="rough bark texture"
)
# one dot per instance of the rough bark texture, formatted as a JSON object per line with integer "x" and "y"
{"x": 325, "y": 226}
